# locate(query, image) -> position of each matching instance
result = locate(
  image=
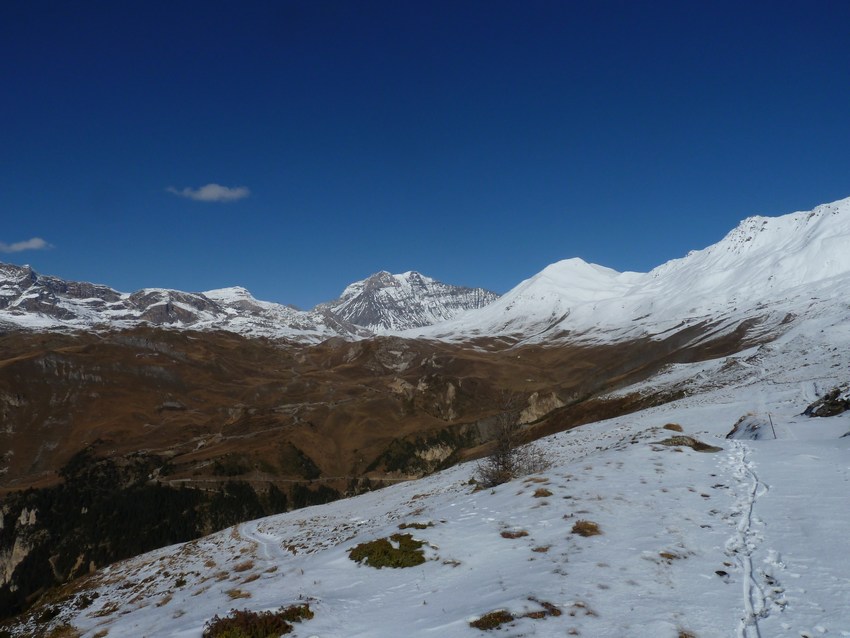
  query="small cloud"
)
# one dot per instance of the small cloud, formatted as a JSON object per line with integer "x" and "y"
{"x": 36, "y": 243}
{"x": 212, "y": 193}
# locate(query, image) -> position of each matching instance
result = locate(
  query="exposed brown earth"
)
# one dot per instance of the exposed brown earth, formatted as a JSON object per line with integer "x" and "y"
{"x": 200, "y": 410}
{"x": 275, "y": 411}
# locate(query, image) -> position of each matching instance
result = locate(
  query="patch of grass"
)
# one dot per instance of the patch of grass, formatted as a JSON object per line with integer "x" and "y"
{"x": 415, "y": 525}
{"x": 689, "y": 441}
{"x": 250, "y": 624}
{"x": 296, "y": 613}
{"x": 519, "y": 533}
{"x": 586, "y": 528}
{"x": 399, "y": 550}
{"x": 499, "y": 617}
{"x": 236, "y": 594}
{"x": 492, "y": 620}
{"x": 542, "y": 492}
{"x": 669, "y": 556}
{"x": 675, "y": 427}
{"x": 244, "y": 567}
{"x": 542, "y": 549}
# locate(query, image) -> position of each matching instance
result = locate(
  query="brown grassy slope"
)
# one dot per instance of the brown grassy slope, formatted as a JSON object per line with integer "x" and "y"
{"x": 219, "y": 405}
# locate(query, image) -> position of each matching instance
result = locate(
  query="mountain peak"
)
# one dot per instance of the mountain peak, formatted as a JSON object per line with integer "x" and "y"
{"x": 386, "y": 302}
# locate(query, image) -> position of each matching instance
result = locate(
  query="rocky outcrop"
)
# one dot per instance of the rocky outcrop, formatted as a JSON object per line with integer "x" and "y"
{"x": 834, "y": 402}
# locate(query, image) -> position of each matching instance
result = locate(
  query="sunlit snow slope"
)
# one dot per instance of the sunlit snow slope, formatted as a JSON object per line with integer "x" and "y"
{"x": 765, "y": 266}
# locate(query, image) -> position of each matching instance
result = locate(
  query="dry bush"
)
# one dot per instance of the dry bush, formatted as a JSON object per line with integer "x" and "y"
{"x": 542, "y": 492}
{"x": 235, "y": 594}
{"x": 250, "y": 624}
{"x": 514, "y": 533}
{"x": 689, "y": 441}
{"x": 586, "y": 528}
{"x": 675, "y": 427}
{"x": 510, "y": 458}
{"x": 244, "y": 567}
{"x": 492, "y": 620}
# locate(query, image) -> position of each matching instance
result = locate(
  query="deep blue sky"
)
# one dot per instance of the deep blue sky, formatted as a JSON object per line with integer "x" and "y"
{"x": 473, "y": 141}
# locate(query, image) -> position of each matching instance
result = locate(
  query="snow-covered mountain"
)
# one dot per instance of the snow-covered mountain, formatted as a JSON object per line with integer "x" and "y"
{"x": 764, "y": 271}
{"x": 385, "y": 302}
{"x": 766, "y": 268}
{"x": 382, "y": 301}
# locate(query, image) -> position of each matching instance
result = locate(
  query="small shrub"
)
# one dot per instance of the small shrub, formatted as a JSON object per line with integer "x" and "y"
{"x": 236, "y": 594}
{"x": 407, "y": 552}
{"x": 492, "y": 620}
{"x": 542, "y": 492}
{"x": 586, "y": 528}
{"x": 296, "y": 613}
{"x": 514, "y": 533}
{"x": 244, "y": 567}
{"x": 510, "y": 459}
{"x": 689, "y": 441}
{"x": 247, "y": 624}
{"x": 415, "y": 525}
{"x": 675, "y": 427}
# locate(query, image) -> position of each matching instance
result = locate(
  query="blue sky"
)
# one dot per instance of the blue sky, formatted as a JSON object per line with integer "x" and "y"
{"x": 473, "y": 141}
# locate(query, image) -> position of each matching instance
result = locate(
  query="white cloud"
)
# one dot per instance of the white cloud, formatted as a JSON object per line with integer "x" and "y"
{"x": 212, "y": 193}
{"x": 36, "y": 243}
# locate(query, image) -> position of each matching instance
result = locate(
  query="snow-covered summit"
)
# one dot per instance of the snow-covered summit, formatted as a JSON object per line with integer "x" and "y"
{"x": 385, "y": 302}
{"x": 765, "y": 262}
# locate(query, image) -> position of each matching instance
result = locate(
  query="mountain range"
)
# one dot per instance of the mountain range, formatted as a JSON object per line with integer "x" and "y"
{"x": 376, "y": 305}
{"x": 761, "y": 268}
{"x": 131, "y": 422}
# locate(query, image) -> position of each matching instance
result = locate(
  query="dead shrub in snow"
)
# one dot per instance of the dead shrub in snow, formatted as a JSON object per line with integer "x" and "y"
{"x": 519, "y": 533}
{"x": 510, "y": 458}
{"x": 675, "y": 427}
{"x": 691, "y": 442}
{"x": 250, "y": 624}
{"x": 492, "y": 620}
{"x": 586, "y": 528}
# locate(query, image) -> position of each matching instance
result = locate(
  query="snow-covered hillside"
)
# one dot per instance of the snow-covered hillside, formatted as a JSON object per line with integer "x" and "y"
{"x": 747, "y": 541}
{"x": 767, "y": 266}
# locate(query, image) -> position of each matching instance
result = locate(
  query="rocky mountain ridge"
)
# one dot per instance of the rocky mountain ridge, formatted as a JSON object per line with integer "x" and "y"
{"x": 381, "y": 302}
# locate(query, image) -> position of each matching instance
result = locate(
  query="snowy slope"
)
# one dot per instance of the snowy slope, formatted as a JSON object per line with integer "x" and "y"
{"x": 748, "y": 541}
{"x": 767, "y": 265}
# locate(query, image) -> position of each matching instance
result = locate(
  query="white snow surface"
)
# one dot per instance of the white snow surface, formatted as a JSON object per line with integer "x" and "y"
{"x": 747, "y": 542}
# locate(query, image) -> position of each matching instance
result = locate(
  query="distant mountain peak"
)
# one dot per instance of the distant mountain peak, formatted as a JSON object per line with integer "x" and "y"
{"x": 386, "y": 302}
